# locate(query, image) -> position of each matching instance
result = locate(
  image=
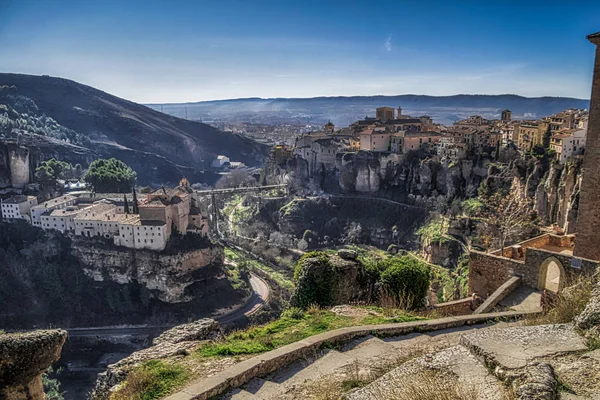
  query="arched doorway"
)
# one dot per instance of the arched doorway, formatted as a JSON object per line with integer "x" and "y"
{"x": 552, "y": 275}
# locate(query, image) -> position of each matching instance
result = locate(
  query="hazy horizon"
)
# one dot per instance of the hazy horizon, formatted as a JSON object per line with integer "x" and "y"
{"x": 157, "y": 52}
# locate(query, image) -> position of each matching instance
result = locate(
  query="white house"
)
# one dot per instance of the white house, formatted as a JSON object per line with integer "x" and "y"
{"x": 18, "y": 207}
{"x": 139, "y": 234}
{"x": 220, "y": 161}
{"x": 50, "y": 205}
{"x": 567, "y": 143}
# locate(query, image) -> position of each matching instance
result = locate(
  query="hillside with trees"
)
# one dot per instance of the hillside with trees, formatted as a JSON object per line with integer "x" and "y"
{"x": 161, "y": 147}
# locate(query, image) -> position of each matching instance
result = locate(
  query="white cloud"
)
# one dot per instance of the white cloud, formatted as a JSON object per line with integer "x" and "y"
{"x": 388, "y": 43}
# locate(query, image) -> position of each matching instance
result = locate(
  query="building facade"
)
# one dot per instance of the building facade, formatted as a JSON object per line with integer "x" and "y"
{"x": 18, "y": 207}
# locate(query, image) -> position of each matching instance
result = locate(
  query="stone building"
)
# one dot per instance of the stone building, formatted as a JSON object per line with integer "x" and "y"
{"x": 100, "y": 219}
{"x": 568, "y": 142}
{"x": 506, "y": 115}
{"x": 385, "y": 113}
{"x": 139, "y": 234}
{"x": 588, "y": 219}
{"x": 61, "y": 219}
{"x": 18, "y": 207}
{"x": 50, "y": 205}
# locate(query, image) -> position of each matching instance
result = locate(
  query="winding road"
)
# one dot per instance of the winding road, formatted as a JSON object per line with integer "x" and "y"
{"x": 257, "y": 300}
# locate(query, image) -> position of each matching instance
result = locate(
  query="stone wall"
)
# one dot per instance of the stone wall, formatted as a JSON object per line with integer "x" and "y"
{"x": 588, "y": 219}
{"x": 487, "y": 272}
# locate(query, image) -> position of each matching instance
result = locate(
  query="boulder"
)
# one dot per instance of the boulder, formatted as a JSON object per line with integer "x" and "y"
{"x": 203, "y": 329}
{"x": 347, "y": 254}
{"x": 24, "y": 357}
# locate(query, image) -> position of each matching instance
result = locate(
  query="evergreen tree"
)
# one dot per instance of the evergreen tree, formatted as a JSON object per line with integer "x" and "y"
{"x": 136, "y": 209}
{"x": 126, "y": 207}
{"x": 497, "y": 154}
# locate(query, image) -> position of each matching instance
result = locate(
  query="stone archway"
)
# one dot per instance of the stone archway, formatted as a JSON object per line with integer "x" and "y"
{"x": 551, "y": 275}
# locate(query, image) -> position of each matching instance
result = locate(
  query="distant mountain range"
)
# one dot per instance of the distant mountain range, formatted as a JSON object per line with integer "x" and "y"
{"x": 344, "y": 110}
{"x": 160, "y": 147}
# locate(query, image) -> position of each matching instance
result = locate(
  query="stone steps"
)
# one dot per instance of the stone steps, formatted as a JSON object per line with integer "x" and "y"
{"x": 299, "y": 373}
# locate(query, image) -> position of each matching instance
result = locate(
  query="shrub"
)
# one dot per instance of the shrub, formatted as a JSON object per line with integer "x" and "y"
{"x": 406, "y": 279}
{"x": 293, "y": 313}
{"x": 153, "y": 380}
{"x": 315, "y": 277}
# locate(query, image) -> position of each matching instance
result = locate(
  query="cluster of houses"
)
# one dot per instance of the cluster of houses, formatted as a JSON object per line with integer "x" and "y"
{"x": 144, "y": 224}
{"x": 395, "y": 133}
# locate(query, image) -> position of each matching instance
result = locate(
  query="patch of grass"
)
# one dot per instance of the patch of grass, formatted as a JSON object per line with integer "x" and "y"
{"x": 593, "y": 343}
{"x": 569, "y": 303}
{"x": 152, "y": 380}
{"x": 290, "y": 328}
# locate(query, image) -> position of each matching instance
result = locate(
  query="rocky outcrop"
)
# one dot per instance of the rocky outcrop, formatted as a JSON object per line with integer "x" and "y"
{"x": 589, "y": 320}
{"x": 21, "y": 153}
{"x": 203, "y": 329}
{"x": 557, "y": 197}
{"x": 332, "y": 280}
{"x": 176, "y": 341}
{"x": 24, "y": 357}
{"x": 169, "y": 275}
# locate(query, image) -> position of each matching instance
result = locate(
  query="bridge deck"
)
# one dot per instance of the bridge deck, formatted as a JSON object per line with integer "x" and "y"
{"x": 240, "y": 189}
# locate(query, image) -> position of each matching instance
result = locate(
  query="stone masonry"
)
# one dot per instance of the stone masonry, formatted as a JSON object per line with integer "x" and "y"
{"x": 587, "y": 245}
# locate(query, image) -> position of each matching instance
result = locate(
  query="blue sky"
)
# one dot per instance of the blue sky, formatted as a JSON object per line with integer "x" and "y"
{"x": 178, "y": 51}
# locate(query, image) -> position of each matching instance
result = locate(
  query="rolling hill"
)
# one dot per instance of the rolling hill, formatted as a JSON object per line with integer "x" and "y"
{"x": 345, "y": 110}
{"x": 160, "y": 147}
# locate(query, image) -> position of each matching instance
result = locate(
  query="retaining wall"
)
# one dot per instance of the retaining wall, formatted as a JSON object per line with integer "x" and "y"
{"x": 241, "y": 373}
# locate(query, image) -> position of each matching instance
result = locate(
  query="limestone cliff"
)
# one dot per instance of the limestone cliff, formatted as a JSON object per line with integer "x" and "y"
{"x": 177, "y": 341}
{"x": 168, "y": 275}
{"x": 24, "y": 357}
{"x": 21, "y": 153}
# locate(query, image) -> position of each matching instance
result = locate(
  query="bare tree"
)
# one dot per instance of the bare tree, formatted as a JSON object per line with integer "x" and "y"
{"x": 506, "y": 216}
{"x": 237, "y": 178}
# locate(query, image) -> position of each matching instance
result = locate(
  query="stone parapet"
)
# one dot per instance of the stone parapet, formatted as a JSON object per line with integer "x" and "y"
{"x": 239, "y": 374}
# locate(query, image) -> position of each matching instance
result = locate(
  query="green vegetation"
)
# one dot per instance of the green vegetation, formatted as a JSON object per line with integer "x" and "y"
{"x": 291, "y": 207}
{"x": 406, "y": 279}
{"x": 472, "y": 207}
{"x": 434, "y": 231}
{"x": 237, "y": 274}
{"x": 20, "y": 112}
{"x": 110, "y": 176}
{"x": 51, "y": 386}
{"x": 151, "y": 381}
{"x": 50, "y": 171}
{"x": 251, "y": 264}
{"x": 294, "y": 325}
{"x": 314, "y": 277}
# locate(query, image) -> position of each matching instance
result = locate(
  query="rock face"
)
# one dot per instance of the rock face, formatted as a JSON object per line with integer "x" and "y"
{"x": 589, "y": 319}
{"x": 203, "y": 329}
{"x": 23, "y": 152}
{"x": 178, "y": 340}
{"x": 24, "y": 357}
{"x": 556, "y": 198}
{"x": 168, "y": 274}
